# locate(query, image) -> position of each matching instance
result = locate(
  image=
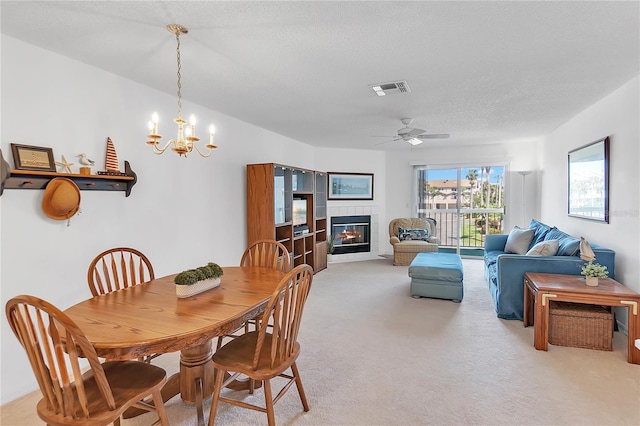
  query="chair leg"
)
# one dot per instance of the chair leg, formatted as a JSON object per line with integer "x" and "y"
{"x": 217, "y": 388}
{"x": 159, "y": 404}
{"x": 303, "y": 397}
{"x": 268, "y": 399}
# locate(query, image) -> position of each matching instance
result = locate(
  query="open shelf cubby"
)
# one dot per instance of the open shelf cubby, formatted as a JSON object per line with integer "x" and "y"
{"x": 289, "y": 204}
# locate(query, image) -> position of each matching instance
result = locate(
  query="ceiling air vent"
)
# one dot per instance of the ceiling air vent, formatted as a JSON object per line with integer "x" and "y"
{"x": 391, "y": 88}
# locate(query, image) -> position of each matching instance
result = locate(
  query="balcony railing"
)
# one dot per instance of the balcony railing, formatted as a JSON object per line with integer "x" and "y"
{"x": 468, "y": 227}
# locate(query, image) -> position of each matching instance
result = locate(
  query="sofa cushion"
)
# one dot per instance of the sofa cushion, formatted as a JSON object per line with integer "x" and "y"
{"x": 493, "y": 273}
{"x": 518, "y": 240}
{"x": 544, "y": 248}
{"x": 413, "y": 234}
{"x": 540, "y": 231}
{"x": 491, "y": 257}
{"x": 567, "y": 245}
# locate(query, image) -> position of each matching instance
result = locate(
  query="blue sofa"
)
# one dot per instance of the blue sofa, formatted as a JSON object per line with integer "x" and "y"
{"x": 504, "y": 272}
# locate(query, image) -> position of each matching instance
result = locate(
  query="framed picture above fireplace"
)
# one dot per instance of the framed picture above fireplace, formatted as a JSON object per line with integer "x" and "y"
{"x": 350, "y": 186}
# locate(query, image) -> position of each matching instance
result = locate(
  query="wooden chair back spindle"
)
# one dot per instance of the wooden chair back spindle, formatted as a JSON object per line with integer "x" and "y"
{"x": 267, "y": 254}
{"x": 118, "y": 268}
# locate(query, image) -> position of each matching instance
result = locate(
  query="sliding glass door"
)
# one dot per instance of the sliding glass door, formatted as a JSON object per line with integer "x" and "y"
{"x": 466, "y": 202}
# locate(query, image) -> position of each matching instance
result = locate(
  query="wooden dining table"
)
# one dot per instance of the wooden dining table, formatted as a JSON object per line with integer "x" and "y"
{"x": 149, "y": 319}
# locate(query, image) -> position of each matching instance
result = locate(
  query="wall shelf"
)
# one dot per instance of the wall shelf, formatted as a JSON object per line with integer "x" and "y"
{"x": 28, "y": 179}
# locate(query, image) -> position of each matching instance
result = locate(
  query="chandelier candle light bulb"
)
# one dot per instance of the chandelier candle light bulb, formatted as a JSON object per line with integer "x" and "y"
{"x": 192, "y": 122}
{"x": 212, "y": 131}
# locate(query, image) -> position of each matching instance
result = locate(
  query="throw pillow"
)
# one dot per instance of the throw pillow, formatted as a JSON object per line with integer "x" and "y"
{"x": 413, "y": 234}
{"x": 540, "y": 231}
{"x": 518, "y": 240}
{"x": 544, "y": 248}
{"x": 567, "y": 245}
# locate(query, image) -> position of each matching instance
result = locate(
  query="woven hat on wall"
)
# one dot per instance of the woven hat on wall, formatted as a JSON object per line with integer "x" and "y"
{"x": 61, "y": 199}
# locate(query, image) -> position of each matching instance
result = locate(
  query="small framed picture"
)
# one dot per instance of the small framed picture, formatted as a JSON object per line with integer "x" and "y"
{"x": 350, "y": 186}
{"x": 38, "y": 158}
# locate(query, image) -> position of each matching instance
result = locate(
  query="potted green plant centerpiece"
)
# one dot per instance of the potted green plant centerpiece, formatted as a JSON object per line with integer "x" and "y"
{"x": 194, "y": 281}
{"x": 593, "y": 271}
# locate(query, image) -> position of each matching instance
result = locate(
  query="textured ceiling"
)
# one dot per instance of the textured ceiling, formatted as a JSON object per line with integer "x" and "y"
{"x": 482, "y": 71}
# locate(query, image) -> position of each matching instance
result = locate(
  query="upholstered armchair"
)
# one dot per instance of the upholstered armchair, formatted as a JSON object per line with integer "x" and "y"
{"x": 407, "y": 244}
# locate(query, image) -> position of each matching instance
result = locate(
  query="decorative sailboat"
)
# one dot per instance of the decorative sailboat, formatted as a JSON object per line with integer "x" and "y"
{"x": 111, "y": 161}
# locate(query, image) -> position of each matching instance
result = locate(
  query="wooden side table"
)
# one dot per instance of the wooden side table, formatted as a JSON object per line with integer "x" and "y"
{"x": 540, "y": 288}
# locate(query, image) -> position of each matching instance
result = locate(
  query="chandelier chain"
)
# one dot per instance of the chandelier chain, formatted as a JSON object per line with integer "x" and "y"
{"x": 179, "y": 77}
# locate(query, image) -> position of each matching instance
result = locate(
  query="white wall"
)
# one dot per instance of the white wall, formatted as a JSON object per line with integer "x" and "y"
{"x": 182, "y": 212}
{"x": 616, "y": 116}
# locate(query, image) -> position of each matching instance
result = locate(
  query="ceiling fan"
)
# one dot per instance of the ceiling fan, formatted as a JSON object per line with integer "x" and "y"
{"x": 413, "y": 135}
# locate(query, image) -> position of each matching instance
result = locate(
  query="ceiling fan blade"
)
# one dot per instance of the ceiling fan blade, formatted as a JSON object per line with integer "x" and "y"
{"x": 414, "y": 132}
{"x": 393, "y": 139}
{"x": 434, "y": 136}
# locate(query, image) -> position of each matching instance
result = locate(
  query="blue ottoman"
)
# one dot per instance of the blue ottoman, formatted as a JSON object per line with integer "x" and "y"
{"x": 436, "y": 275}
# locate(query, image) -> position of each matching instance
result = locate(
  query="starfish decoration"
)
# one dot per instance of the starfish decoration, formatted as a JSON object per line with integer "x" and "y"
{"x": 66, "y": 166}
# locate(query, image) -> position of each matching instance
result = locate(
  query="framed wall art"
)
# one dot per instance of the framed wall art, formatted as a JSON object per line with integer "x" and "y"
{"x": 588, "y": 187}
{"x": 38, "y": 158}
{"x": 350, "y": 186}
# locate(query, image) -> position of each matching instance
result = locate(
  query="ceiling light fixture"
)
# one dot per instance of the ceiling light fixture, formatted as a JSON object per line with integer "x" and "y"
{"x": 391, "y": 88}
{"x": 379, "y": 91}
{"x": 186, "y": 139}
{"x": 415, "y": 141}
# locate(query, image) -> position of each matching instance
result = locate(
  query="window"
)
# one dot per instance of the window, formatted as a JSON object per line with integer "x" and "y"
{"x": 466, "y": 202}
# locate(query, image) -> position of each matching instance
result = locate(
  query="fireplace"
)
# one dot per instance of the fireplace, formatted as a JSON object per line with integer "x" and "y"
{"x": 352, "y": 234}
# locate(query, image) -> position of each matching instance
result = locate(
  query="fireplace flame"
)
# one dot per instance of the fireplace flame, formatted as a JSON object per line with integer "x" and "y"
{"x": 349, "y": 235}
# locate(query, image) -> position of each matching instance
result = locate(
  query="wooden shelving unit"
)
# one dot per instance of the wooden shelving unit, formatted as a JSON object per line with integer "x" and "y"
{"x": 27, "y": 179}
{"x": 271, "y": 189}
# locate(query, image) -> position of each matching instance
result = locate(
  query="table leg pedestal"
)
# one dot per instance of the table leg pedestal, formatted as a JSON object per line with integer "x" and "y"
{"x": 197, "y": 376}
{"x": 195, "y": 363}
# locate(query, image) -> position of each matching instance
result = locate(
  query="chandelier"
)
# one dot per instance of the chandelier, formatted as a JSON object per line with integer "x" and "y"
{"x": 186, "y": 139}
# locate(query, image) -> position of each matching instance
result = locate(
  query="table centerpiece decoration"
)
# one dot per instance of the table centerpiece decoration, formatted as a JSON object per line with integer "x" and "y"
{"x": 593, "y": 271}
{"x": 194, "y": 281}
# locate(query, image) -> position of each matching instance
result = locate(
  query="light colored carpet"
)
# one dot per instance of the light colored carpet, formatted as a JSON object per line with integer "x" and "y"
{"x": 372, "y": 355}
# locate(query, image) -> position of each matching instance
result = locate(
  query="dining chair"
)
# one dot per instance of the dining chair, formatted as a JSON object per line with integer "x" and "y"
{"x": 58, "y": 351}
{"x": 268, "y": 352}
{"x": 265, "y": 254}
{"x": 118, "y": 268}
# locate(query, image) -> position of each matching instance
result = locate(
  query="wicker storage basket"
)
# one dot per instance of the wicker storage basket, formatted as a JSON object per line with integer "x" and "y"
{"x": 580, "y": 325}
